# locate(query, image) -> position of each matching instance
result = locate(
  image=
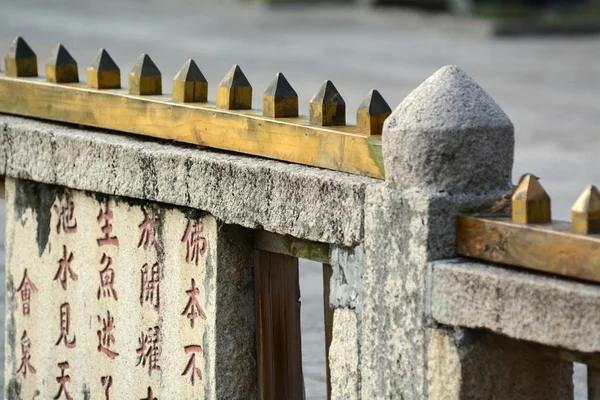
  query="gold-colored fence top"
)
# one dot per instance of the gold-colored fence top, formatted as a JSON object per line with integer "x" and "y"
{"x": 321, "y": 140}
{"x": 518, "y": 230}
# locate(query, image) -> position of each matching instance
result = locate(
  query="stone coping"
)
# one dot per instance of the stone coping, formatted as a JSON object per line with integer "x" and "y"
{"x": 522, "y": 305}
{"x": 304, "y": 202}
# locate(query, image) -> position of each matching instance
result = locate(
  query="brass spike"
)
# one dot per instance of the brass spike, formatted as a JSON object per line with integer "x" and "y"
{"x": 280, "y": 100}
{"x": 585, "y": 214}
{"x": 103, "y": 72}
{"x": 189, "y": 85}
{"x": 234, "y": 92}
{"x": 20, "y": 59}
{"x": 327, "y": 107}
{"x": 371, "y": 114}
{"x": 145, "y": 78}
{"x": 61, "y": 67}
{"x": 530, "y": 202}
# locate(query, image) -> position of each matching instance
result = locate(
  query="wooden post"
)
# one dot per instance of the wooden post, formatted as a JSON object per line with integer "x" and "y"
{"x": 328, "y": 319}
{"x": 593, "y": 381}
{"x": 279, "y": 344}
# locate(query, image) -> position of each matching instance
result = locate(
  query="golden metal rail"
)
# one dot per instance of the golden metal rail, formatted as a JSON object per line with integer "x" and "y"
{"x": 530, "y": 239}
{"x": 228, "y": 125}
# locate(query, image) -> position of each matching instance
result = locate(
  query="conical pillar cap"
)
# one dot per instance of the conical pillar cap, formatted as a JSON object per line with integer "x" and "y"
{"x": 448, "y": 135}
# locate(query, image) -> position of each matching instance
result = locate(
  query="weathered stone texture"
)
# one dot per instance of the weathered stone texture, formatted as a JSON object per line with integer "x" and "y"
{"x": 346, "y": 281}
{"x": 304, "y": 202}
{"x": 519, "y": 304}
{"x": 344, "y": 356}
{"x": 473, "y": 365}
{"x": 403, "y": 231}
{"x": 448, "y": 134}
{"x": 152, "y": 273}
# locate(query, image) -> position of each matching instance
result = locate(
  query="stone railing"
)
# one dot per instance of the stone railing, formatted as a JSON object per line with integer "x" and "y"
{"x": 143, "y": 269}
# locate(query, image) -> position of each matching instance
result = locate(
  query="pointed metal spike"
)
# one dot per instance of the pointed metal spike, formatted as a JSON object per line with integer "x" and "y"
{"x": 530, "y": 202}
{"x": 61, "y": 67}
{"x": 145, "y": 78}
{"x": 280, "y": 100}
{"x": 103, "y": 72}
{"x": 20, "y": 61}
{"x": 371, "y": 114}
{"x": 190, "y": 85}
{"x": 234, "y": 91}
{"x": 585, "y": 214}
{"x": 327, "y": 107}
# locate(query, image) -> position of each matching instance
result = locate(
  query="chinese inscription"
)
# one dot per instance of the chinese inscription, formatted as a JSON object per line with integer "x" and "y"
{"x": 104, "y": 217}
{"x": 191, "y": 368}
{"x": 105, "y": 336}
{"x": 148, "y": 227}
{"x": 148, "y": 351}
{"x": 26, "y": 288}
{"x": 150, "y": 286}
{"x": 62, "y": 381}
{"x": 196, "y": 243}
{"x": 66, "y": 214}
{"x": 106, "y": 382}
{"x": 64, "y": 269}
{"x": 26, "y": 358}
{"x": 107, "y": 279}
{"x": 65, "y": 327}
{"x": 192, "y": 309}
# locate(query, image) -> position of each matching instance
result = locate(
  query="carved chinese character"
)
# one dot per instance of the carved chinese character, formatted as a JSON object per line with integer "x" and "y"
{"x": 65, "y": 326}
{"x": 105, "y": 216}
{"x": 64, "y": 268}
{"x": 193, "y": 309}
{"x": 196, "y": 243}
{"x": 106, "y": 382}
{"x": 26, "y": 288}
{"x": 66, "y": 214}
{"x": 107, "y": 279}
{"x": 191, "y": 365}
{"x": 63, "y": 380}
{"x": 105, "y": 336}
{"x": 150, "y": 395}
{"x": 148, "y": 351}
{"x": 25, "y": 359}
{"x": 150, "y": 290}
{"x": 148, "y": 228}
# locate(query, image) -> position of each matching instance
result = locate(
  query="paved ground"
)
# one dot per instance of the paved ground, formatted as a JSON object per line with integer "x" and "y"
{"x": 548, "y": 86}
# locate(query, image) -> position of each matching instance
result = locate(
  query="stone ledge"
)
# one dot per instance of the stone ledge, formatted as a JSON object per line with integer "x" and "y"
{"x": 243, "y": 190}
{"x": 518, "y": 304}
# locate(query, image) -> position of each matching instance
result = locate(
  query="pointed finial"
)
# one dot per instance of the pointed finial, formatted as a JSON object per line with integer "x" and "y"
{"x": 280, "y": 100}
{"x": 189, "y": 85}
{"x": 145, "y": 78}
{"x": 327, "y": 107}
{"x": 530, "y": 202}
{"x": 61, "y": 67}
{"x": 103, "y": 72}
{"x": 585, "y": 213}
{"x": 20, "y": 59}
{"x": 234, "y": 92}
{"x": 448, "y": 134}
{"x": 371, "y": 114}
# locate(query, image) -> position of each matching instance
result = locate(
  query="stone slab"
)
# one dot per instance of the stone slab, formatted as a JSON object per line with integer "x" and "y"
{"x": 124, "y": 298}
{"x": 521, "y": 305}
{"x": 243, "y": 190}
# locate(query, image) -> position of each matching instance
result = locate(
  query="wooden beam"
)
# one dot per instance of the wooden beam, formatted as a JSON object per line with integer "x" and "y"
{"x": 279, "y": 346}
{"x": 551, "y": 247}
{"x": 339, "y": 148}
{"x": 291, "y": 246}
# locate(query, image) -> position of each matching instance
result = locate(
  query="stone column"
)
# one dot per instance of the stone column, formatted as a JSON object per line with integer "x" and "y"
{"x": 448, "y": 148}
{"x": 110, "y": 297}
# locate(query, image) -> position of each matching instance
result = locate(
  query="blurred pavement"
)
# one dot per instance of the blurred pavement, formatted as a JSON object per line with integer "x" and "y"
{"x": 549, "y": 87}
